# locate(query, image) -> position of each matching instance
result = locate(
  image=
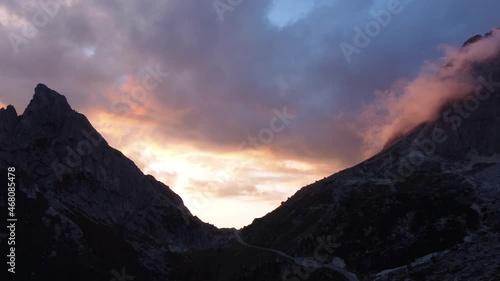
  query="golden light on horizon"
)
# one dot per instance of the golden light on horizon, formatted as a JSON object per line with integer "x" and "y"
{"x": 210, "y": 181}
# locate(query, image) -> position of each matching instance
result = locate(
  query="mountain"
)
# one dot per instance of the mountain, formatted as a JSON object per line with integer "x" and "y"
{"x": 83, "y": 207}
{"x": 426, "y": 207}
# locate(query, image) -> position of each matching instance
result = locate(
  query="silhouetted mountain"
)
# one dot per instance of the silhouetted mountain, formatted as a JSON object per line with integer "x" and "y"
{"x": 85, "y": 209}
{"x": 425, "y": 208}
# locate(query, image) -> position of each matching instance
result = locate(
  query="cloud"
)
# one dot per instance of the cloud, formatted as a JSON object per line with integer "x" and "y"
{"x": 227, "y": 77}
{"x": 410, "y": 103}
{"x": 236, "y": 189}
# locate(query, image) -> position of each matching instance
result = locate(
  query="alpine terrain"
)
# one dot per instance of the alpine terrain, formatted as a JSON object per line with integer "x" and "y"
{"x": 427, "y": 207}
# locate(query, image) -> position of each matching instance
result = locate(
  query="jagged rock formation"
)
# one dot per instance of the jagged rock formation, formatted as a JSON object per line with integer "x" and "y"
{"x": 84, "y": 207}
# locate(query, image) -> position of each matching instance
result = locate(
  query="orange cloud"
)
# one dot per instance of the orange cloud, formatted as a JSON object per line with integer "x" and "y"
{"x": 206, "y": 175}
{"x": 410, "y": 103}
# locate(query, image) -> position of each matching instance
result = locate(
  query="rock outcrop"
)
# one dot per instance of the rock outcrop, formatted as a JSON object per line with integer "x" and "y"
{"x": 83, "y": 205}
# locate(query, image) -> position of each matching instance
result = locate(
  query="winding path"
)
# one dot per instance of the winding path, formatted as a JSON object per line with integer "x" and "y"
{"x": 301, "y": 261}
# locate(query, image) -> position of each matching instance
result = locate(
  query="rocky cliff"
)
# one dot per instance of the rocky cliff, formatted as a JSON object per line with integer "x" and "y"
{"x": 84, "y": 208}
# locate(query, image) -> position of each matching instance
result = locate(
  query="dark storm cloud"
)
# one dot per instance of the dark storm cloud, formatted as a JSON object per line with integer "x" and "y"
{"x": 226, "y": 77}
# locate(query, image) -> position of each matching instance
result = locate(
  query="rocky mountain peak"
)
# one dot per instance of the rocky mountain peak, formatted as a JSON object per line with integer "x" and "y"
{"x": 478, "y": 37}
{"x": 42, "y": 89}
{"x": 8, "y": 119}
{"x": 47, "y": 101}
{"x": 472, "y": 40}
{"x": 48, "y": 114}
{"x": 95, "y": 193}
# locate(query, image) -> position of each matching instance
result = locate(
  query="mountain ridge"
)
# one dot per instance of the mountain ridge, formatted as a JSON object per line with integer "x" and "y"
{"x": 86, "y": 185}
{"x": 425, "y": 194}
{"x": 418, "y": 210}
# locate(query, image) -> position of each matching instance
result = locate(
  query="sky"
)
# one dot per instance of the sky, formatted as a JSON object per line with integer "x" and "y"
{"x": 236, "y": 105}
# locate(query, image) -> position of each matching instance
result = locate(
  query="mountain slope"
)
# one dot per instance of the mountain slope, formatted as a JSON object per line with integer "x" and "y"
{"x": 427, "y": 205}
{"x": 424, "y": 208}
{"x": 83, "y": 205}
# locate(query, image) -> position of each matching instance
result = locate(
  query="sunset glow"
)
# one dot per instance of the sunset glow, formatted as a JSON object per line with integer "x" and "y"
{"x": 241, "y": 111}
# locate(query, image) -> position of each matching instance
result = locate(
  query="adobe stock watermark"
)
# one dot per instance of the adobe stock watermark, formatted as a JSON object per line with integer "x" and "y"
{"x": 150, "y": 81}
{"x": 223, "y": 6}
{"x": 373, "y": 28}
{"x": 199, "y": 201}
{"x": 91, "y": 139}
{"x": 46, "y": 10}
{"x": 75, "y": 155}
{"x": 278, "y": 123}
{"x": 426, "y": 147}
